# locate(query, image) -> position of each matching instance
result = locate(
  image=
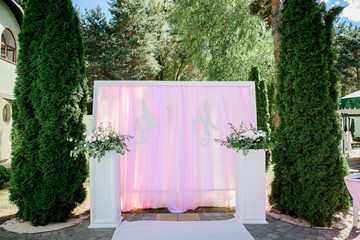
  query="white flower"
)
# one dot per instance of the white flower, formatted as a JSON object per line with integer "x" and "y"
{"x": 262, "y": 134}
{"x": 88, "y": 138}
{"x": 250, "y": 134}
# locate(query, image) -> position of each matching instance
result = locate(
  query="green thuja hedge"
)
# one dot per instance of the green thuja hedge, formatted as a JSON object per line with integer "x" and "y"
{"x": 4, "y": 176}
{"x": 50, "y": 102}
{"x": 24, "y": 133}
{"x": 309, "y": 167}
{"x": 262, "y": 106}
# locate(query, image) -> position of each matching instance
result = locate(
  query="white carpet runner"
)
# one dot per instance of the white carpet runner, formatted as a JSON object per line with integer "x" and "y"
{"x": 231, "y": 229}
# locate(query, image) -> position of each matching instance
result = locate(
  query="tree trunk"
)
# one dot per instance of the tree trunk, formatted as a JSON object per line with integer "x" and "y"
{"x": 275, "y": 20}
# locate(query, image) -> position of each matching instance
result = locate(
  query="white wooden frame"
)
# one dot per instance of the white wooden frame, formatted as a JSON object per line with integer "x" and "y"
{"x": 106, "y": 205}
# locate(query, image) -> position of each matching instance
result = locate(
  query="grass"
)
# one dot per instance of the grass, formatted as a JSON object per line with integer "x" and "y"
{"x": 6, "y": 208}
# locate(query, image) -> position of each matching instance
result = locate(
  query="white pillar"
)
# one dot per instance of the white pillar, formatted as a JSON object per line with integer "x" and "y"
{"x": 250, "y": 187}
{"x": 105, "y": 205}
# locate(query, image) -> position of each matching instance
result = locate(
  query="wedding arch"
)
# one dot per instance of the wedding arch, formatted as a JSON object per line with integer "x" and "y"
{"x": 174, "y": 161}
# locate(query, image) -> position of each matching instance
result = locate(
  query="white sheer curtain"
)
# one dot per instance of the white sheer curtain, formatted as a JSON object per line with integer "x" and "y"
{"x": 173, "y": 160}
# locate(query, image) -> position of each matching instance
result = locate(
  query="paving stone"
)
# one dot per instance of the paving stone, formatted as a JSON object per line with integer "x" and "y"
{"x": 207, "y": 214}
{"x": 189, "y": 217}
{"x": 45, "y": 234}
{"x": 166, "y": 217}
{"x": 276, "y": 229}
{"x": 273, "y": 236}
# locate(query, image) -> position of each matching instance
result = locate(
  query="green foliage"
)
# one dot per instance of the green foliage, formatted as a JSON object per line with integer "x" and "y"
{"x": 262, "y": 8}
{"x": 24, "y": 133}
{"x": 133, "y": 44}
{"x": 4, "y": 176}
{"x": 245, "y": 138}
{"x": 347, "y": 41}
{"x": 117, "y": 50}
{"x": 352, "y": 128}
{"x": 21, "y": 3}
{"x": 173, "y": 58}
{"x": 309, "y": 167}
{"x": 51, "y": 98}
{"x": 262, "y": 106}
{"x": 96, "y": 38}
{"x": 102, "y": 140}
{"x": 271, "y": 96}
{"x": 262, "y": 102}
{"x": 221, "y": 37}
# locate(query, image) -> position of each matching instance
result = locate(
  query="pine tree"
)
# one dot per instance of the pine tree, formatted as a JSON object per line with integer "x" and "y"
{"x": 132, "y": 41}
{"x": 309, "y": 167}
{"x": 348, "y": 63}
{"x": 96, "y": 37}
{"x": 49, "y": 185}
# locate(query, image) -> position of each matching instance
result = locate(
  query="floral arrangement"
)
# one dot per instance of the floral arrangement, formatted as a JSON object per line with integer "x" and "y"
{"x": 102, "y": 140}
{"x": 245, "y": 138}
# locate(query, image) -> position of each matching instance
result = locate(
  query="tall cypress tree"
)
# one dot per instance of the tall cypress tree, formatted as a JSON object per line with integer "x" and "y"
{"x": 262, "y": 106}
{"x": 309, "y": 167}
{"x": 262, "y": 102}
{"x": 58, "y": 96}
{"x": 26, "y": 176}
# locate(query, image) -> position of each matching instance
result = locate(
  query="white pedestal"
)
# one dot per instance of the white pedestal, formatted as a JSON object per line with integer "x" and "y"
{"x": 355, "y": 214}
{"x": 105, "y": 201}
{"x": 250, "y": 187}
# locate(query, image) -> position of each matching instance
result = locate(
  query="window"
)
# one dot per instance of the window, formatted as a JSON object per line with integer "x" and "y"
{"x": 6, "y": 113}
{"x": 8, "y": 46}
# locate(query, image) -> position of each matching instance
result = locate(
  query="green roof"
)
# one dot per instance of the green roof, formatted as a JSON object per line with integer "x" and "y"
{"x": 351, "y": 101}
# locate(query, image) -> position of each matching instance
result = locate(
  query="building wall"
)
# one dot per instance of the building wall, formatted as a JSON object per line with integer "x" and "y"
{"x": 7, "y": 80}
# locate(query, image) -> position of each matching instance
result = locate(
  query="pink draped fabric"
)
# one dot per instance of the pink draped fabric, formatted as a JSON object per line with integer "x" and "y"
{"x": 174, "y": 161}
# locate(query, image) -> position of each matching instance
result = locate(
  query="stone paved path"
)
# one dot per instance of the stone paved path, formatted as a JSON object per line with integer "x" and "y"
{"x": 276, "y": 229}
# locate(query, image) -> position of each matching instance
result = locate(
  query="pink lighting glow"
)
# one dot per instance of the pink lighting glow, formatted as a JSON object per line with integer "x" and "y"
{"x": 174, "y": 161}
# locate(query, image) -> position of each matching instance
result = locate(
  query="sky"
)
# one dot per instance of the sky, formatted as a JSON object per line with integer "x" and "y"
{"x": 351, "y": 12}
